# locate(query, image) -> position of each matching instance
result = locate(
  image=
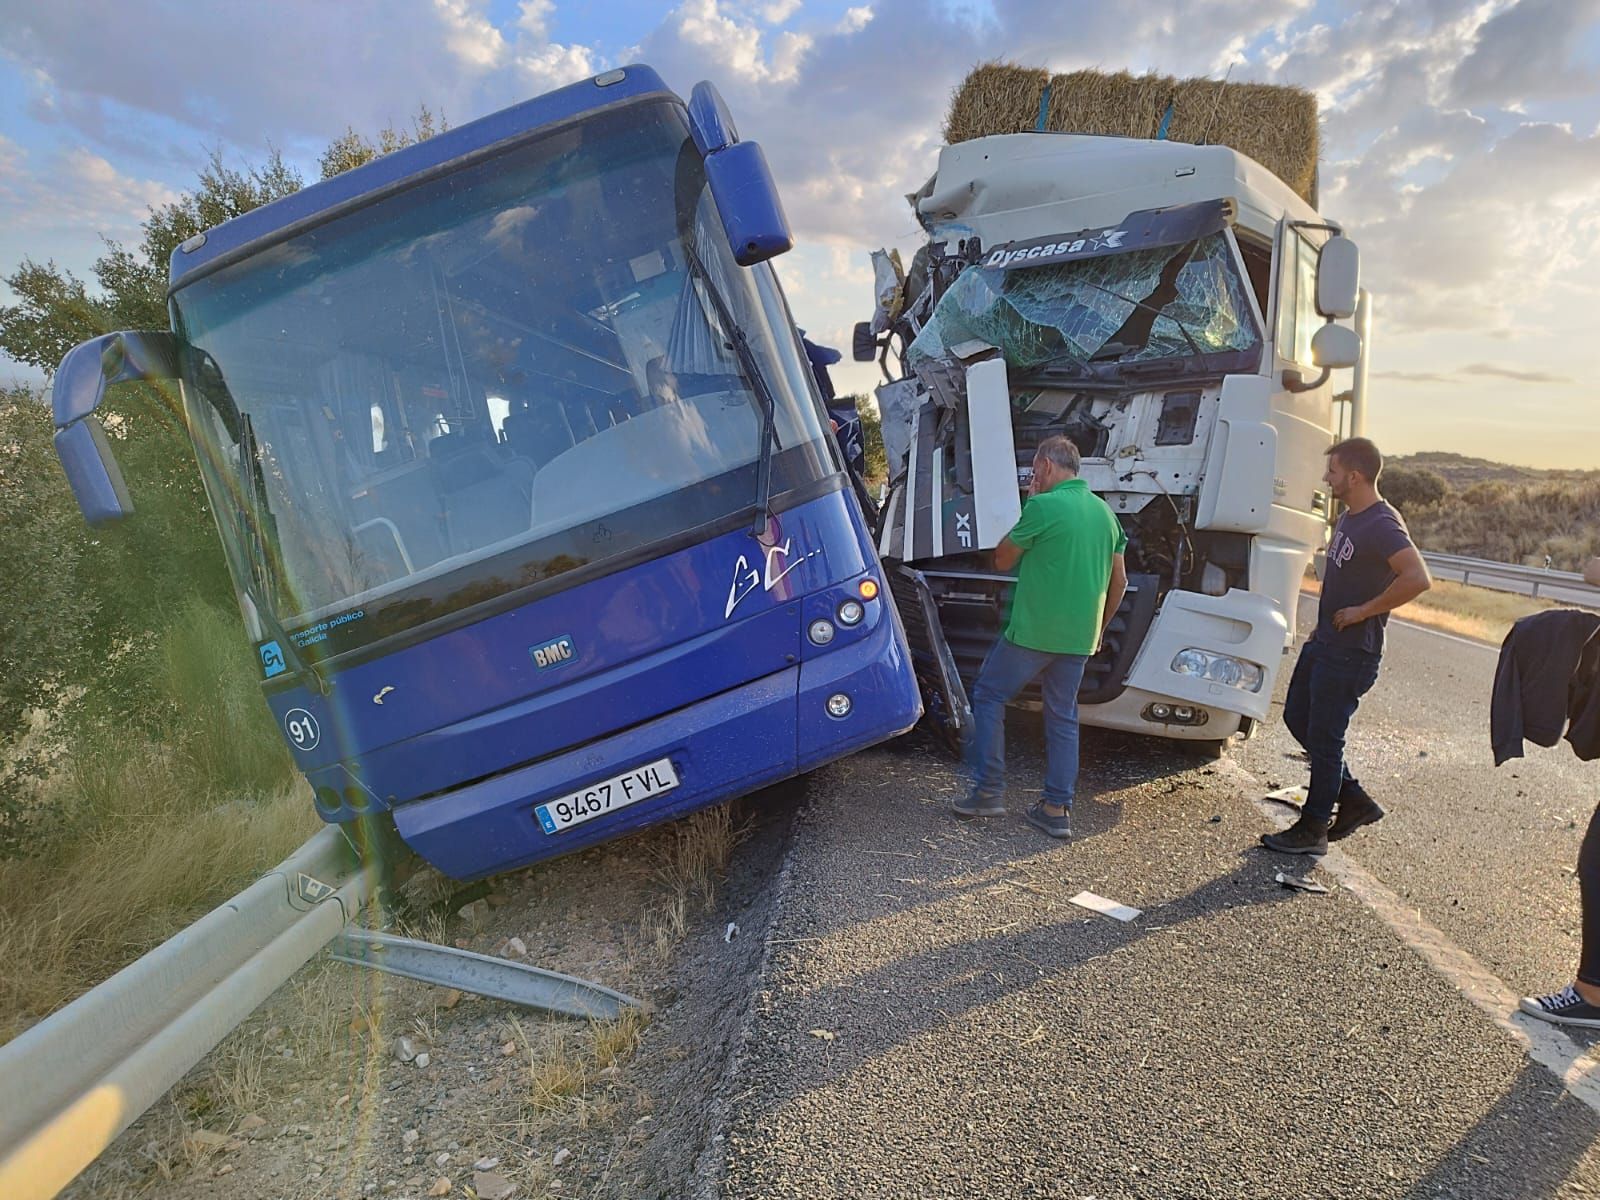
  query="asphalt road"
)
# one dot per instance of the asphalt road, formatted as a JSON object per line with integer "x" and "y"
{"x": 934, "y": 1017}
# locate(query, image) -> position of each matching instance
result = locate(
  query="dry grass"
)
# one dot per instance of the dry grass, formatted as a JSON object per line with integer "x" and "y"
{"x": 1482, "y": 614}
{"x": 698, "y": 853}
{"x": 151, "y": 863}
{"x": 565, "y": 1062}
{"x": 1275, "y": 125}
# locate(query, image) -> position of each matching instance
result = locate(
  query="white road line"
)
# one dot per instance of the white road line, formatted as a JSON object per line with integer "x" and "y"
{"x": 1440, "y": 633}
{"x": 1547, "y": 1045}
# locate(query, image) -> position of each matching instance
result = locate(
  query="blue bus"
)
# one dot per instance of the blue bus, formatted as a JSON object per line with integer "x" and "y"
{"x": 523, "y": 479}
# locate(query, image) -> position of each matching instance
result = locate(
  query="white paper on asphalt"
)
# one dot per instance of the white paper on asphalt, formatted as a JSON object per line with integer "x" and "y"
{"x": 1110, "y": 908}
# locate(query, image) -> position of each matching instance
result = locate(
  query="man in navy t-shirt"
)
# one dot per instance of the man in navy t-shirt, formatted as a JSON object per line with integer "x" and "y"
{"x": 1372, "y": 568}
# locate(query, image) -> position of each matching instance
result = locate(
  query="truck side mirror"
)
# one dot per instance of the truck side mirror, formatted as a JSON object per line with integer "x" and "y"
{"x": 1335, "y": 346}
{"x": 79, "y": 387}
{"x": 863, "y": 345}
{"x": 740, "y": 181}
{"x": 1338, "y": 278}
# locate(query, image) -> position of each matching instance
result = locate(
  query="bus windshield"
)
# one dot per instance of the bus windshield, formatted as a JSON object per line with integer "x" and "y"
{"x": 503, "y": 375}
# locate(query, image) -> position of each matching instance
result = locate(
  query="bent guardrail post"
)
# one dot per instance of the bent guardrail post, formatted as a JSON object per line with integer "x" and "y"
{"x": 73, "y": 1082}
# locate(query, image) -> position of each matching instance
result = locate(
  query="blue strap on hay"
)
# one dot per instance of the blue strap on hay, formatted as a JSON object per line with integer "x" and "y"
{"x": 1044, "y": 109}
{"x": 1166, "y": 121}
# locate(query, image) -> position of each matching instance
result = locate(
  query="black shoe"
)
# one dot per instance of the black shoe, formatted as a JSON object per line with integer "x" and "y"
{"x": 1306, "y": 836}
{"x": 1565, "y": 1007}
{"x": 1056, "y": 827}
{"x": 1355, "y": 810}
{"x": 978, "y": 806}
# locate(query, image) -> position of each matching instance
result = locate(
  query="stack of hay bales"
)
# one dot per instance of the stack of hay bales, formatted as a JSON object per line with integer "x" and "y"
{"x": 1275, "y": 125}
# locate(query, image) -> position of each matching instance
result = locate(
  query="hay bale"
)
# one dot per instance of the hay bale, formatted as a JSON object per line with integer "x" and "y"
{"x": 1275, "y": 125}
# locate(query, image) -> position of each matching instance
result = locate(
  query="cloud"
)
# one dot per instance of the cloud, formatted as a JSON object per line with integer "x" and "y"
{"x": 1495, "y": 371}
{"x": 1412, "y": 376}
{"x": 1527, "y": 52}
{"x": 297, "y": 72}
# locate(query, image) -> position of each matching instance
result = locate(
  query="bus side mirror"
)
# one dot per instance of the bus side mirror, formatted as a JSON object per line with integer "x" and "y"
{"x": 1338, "y": 278}
{"x": 740, "y": 182}
{"x": 746, "y": 197}
{"x": 79, "y": 387}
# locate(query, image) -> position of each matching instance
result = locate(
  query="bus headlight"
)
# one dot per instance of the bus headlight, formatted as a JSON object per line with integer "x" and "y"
{"x": 1219, "y": 668}
{"x": 850, "y": 613}
{"x": 838, "y": 705}
{"x": 820, "y": 632}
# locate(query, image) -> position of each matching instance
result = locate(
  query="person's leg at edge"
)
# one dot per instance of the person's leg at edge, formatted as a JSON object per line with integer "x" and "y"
{"x": 1062, "y": 678}
{"x": 1579, "y": 1002}
{"x": 1588, "y": 982}
{"x": 1006, "y": 671}
{"x": 1297, "y": 701}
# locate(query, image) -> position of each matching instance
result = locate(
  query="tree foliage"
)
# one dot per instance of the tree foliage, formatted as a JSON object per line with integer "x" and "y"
{"x": 1413, "y": 488}
{"x": 88, "y": 618}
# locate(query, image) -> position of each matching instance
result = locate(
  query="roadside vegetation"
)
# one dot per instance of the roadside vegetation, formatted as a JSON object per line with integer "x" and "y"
{"x": 1458, "y": 505}
{"x": 1464, "y": 610}
{"x": 141, "y": 778}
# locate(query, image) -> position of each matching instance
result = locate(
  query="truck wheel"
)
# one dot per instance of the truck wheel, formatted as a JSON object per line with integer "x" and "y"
{"x": 1207, "y": 751}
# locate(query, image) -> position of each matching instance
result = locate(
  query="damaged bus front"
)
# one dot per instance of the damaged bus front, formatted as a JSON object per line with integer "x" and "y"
{"x": 523, "y": 479}
{"x": 1172, "y": 309}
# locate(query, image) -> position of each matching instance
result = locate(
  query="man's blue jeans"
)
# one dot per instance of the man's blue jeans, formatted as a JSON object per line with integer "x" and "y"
{"x": 1324, "y": 691}
{"x": 1008, "y": 669}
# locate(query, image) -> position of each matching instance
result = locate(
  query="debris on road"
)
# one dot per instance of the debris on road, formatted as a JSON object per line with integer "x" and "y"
{"x": 491, "y": 1186}
{"x": 1289, "y": 797}
{"x": 731, "y": 932}
{"x": 826, "y": 1035}
{"x": 1300, "y": 883}
{"x": 1110, "y": 908}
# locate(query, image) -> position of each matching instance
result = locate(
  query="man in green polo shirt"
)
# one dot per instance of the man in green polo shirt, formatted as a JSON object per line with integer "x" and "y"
{"x": 1067, "y": 548}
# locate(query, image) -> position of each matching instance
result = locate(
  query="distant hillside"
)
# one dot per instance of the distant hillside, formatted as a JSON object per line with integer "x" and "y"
{"x": 1473, "y": 506}
{"x": 1461, "y": 471}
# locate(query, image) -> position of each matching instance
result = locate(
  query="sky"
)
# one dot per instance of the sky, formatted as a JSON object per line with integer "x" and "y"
{"x": 1461, "y": 142}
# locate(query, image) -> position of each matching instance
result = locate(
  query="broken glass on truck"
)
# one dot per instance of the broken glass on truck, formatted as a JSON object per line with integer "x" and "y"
{"x": 1123, "y": 306}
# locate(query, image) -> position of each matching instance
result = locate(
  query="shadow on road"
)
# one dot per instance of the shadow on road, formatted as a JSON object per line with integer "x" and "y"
{"x": 1534, "y": 1124}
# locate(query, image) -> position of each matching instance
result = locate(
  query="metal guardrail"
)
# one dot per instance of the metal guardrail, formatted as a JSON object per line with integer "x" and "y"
{"x": 1566, "y": 586}
{"x": 73, "y": 1082}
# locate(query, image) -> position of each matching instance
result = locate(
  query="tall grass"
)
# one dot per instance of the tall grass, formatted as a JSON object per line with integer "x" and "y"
{"x": 136, "y": 834}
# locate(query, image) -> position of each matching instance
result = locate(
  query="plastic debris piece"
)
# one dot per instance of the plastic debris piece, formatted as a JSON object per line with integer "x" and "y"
{"x": 1300, "y": 883}
{"x": 826, "y": 1035}
{"x": 1110, "y": 908}
{"x": 731, "y": 932}
{"x": 1289, "y": 797}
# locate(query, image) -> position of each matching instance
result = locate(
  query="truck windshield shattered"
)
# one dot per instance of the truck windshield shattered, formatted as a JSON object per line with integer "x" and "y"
{"x": 1142, "y": 305}
{"x": 516, "y": 372}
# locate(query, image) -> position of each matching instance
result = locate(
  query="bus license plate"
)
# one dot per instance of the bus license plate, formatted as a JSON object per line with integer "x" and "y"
{"x": 598, "y": 799}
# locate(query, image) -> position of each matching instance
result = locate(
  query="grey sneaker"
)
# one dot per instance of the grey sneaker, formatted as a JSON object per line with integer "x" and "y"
{"x": 979, "y": 806}
{"x": 1056, "y": 827}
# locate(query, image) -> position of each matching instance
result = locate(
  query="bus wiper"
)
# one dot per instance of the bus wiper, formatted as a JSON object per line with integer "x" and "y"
{"x": 758, "y": 383}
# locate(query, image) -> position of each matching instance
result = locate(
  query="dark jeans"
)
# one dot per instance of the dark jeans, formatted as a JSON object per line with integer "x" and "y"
{"x": 1326, "y": 687}
{"x": 1589, "y": 888}
{"x": 1008, "y": 669}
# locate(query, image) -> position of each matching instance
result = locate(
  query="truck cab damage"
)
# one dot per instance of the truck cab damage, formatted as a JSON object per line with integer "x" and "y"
{"x": 1156, "y": 303}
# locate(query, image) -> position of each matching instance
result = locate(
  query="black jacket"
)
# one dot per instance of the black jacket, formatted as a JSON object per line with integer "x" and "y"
{"x": 1547, "y": 680}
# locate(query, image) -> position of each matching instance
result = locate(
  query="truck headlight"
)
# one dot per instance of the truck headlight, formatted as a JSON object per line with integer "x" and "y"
{"x": 1219, "y": 668}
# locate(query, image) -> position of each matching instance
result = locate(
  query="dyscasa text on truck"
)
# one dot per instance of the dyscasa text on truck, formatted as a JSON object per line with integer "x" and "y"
{"x": 523, "y": 479}
{"x": 1173, "y": 309}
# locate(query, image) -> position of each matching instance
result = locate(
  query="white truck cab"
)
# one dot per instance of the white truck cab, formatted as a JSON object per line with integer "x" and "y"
{"x": 1174, "y": 310}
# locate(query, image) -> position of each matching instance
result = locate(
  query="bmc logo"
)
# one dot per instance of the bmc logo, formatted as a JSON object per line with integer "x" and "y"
{"x": 553, "y": 654}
